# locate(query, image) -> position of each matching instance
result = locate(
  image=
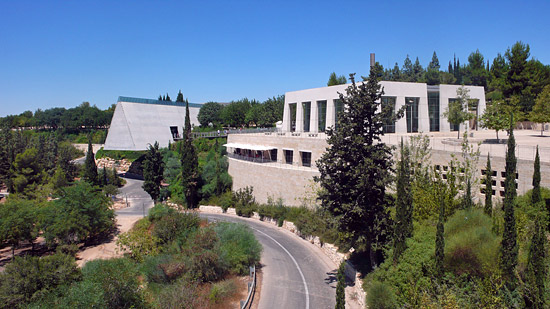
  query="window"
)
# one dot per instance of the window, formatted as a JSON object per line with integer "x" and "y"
{"x": 306, "y": 106}
{"x": 292, "y": 107}
{"x": 273, "y": 154}
{"x": 388, "y": 108}
{"x": 322, "y": 115}
{"x": 339, "y": 108}
{"x": 306, "y": 158}
{"x": 174, "y": 131}
{"x": 288, "y": 156}
{"x": 433, "y": 110}
{"x": 412, "y": 114}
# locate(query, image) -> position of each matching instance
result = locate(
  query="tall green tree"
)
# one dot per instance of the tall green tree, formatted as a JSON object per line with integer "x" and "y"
{"x": 418, "y": 71}
{"x": 407, "y": 72}
{"x": 467, "y": 199}
{"x": 432, "y": 72}
{"x": 189, "y": 165}
{"x": 475, "y": 73}
{"x": 27, "y": 173}
{"x": 395, "y": 74}
{"x": 153, "y": 171}
{"x": 541, "y": 110}
{"x": 509, "y": 246}
{"x": 488, "y": 187}
{"x": 210, "y": 113}
{"x": 18, "y": 222}
{"x": 355, "y": 170}
{"x": 341, "y": 287}
{"x": 536, "y": 265}
{"x": 90, "y": 168}
{"x": 403, "y": 204}
{"x": 179, "y": 98}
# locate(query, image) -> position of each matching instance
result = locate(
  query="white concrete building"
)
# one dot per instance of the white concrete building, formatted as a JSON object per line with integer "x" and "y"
{"x": 314, "y": 110}
{"x": 139, "y": 122}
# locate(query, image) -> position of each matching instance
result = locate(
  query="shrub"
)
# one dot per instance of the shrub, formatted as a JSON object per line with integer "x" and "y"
{"x": 139, "y": 241}
{"x": 380, "y": 296}
{"x": 227, "y": 200}
{"x": 182, "y": 294}
{"x": 471, "y": 247}
{"x": 118, "y": 279}
{"x": 152, "y": 268}
{"x": 245, "y": 203}
{"x": 84, "y": 294}
{"x": 160, "y": 210}
{"x": 170, "y": 227}
{"x": 29, "y": 279}
{"x": 238, "y": 246}
{"x": 221, "y": 290}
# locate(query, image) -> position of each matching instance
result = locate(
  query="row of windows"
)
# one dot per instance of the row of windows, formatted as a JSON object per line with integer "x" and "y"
{"x": 305, "y": 157}
{"x": 321, "y": 115}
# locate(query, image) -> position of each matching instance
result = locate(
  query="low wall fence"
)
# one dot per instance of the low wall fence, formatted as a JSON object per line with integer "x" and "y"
{"x": 247, "y": 303}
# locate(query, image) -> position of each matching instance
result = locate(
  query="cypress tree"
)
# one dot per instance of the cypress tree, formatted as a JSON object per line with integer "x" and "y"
{"x": 509, "y": 247}
{"x": 341, "y": 286}
{"x": 90, "y": 168}
{"x": 179, "y": 98}
{"x": 440, "y": 240}
{"x": 403, "y": 204}
{"x": 153, "y": 171}
{"x": 488, "y": 188}
{"x": 104, "y": 177}
{"x": 467, "y": 200}
{"x": 536, "y": 268}
{"x": 189, "y": 164}
{"x": 535, "y": 195}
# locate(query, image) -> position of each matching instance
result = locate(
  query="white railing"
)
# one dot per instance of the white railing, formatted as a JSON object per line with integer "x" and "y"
{"x": 251, "y": 289}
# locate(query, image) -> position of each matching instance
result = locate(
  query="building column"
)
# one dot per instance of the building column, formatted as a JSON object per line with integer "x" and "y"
{"x": 299, "y": 117}
{"x": 286, "y": 118}
{"x": 330, "y": 114}
{"x": 401, "y": 123}
{"x": 314, "y": 118}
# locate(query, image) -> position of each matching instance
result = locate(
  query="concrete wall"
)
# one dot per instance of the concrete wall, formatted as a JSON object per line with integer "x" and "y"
{"x": 292, "y": 183}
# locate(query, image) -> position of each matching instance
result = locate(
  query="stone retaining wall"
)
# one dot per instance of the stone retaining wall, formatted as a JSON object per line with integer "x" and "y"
{"x": 330, "y": 250}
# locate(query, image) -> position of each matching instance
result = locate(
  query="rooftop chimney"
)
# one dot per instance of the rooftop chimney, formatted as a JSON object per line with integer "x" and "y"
{"x": 372, "y": 61}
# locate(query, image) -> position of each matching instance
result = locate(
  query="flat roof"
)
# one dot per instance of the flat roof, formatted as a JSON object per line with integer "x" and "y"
{"x": 156, "y": 102}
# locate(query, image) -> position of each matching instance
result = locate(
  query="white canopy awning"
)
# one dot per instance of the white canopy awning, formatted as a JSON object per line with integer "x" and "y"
{"x": 249, "y": 146}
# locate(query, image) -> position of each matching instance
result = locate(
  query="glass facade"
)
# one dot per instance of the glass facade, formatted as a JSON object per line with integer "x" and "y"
{"x": 306, "y": 158}
{"x": 339, "y": 108}
{"x": 292, "y": 107}
{"x": 433, "y": 110}
{"x": 322, "y": 115}
{"x": 306, "y": 106}
{"x": 388, "y": 108}
{"x": 412, "y": 114}
{"x": 453, "y": 127}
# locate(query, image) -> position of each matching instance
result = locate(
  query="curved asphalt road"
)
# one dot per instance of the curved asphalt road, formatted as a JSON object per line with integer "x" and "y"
{"x": 296, "y": 274}
{"x": 138, "y": 199}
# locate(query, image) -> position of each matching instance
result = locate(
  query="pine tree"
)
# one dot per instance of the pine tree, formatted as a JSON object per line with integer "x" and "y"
{"x": 104, "y": 177}
{"x": 536, "y": 268}
{"x": 488, "y": 188}
{"x": 440, "y": 240}
{"x": 341, "y": 287}
{"x": 153, "y": 171}
{"x": 167, "y": 97}
{"x": 90, "y": 168}
{"x": 160, "y": 98}
{"x": 189, "y": 164}
{"x": 115, "y": 179}
{"x": 450, "y": 68}
{"x": 403, "y": 205}
{"x": 179, "y": 98}
{"x": 509, "y": 247}
{"x": 355, "y": 170}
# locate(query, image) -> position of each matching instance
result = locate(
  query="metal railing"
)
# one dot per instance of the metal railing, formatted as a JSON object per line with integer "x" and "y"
{"x": 251, "y": 289}
{"x": 274, "y": 163}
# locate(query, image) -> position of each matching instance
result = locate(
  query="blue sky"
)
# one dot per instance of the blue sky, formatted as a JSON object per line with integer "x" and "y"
{"x": 63, "y": 53}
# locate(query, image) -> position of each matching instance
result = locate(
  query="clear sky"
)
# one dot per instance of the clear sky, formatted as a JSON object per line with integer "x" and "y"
{"x": 61, "y": 53}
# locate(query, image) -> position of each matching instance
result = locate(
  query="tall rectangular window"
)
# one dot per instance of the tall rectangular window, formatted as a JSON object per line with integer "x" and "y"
{"x": 288, "y": 156}
{"x": 472, "y": 108}
{"x": 322, "y": 115}
{"x": 306, "y": 107}
{"x": 433, "y": 110}
{"x": 412, "y": 114}
{"x": 338, "y": 109}
{"x": 388, "y": 108}
{"x": 453, "y": 127}
{"x": 292, "y": 107}
{"x": 306, "y": 158}
{"x": 273, "y": 155}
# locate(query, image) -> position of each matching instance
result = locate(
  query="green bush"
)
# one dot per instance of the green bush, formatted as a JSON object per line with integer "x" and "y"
{"x": 227, "y": 200}
{"x": 470, "y": 245}
{"x": 131, "y": 156}
{"x": 139, "y": 241}
{"x": 152, "y": 268}
{"x": 238, "y": 246}
{"x": 380, "y": 296}
{"x": 245, "y": 203}
{"x": 175, "y": 225}
{"x": 118, "y": 279}
{"x": 29, "y": 279}
{"x": 221, "y": 290}
{"x": 160, "y": 210}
